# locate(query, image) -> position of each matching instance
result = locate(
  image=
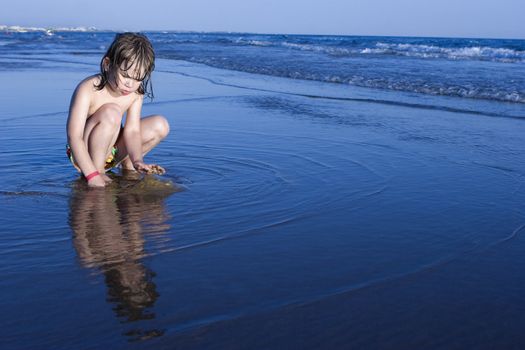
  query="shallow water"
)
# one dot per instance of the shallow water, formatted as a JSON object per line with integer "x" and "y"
{"x": 284, "y": 221}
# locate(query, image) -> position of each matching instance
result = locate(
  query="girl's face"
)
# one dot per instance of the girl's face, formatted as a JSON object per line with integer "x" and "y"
{"x": 124, "y": 82}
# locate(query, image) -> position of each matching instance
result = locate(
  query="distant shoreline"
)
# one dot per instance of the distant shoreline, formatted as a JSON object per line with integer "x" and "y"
{"x": 88, "y": 29}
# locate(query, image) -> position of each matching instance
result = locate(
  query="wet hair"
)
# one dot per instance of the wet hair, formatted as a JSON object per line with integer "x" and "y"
{"x": 126, "y": 50}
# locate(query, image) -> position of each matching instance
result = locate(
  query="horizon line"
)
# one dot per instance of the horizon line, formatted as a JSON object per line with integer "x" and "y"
{"x": 86, "y": 29}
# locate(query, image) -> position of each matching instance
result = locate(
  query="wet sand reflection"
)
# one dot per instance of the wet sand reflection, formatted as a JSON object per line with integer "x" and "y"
{"x": 109, "y": 227}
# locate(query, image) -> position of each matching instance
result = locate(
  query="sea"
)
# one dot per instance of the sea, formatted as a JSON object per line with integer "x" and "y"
{"x": 472, "y": 68}
{"x": 322, "y": 191}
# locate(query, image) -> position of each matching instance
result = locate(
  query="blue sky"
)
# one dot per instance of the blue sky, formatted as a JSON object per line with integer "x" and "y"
{"x": 455, "y": 18}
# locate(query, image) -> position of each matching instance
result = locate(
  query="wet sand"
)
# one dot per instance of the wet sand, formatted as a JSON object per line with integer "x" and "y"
{"x": 284, "y": 220}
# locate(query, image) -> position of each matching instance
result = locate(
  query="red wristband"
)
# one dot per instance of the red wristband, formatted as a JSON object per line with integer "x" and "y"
{"x": 92, "y": 175}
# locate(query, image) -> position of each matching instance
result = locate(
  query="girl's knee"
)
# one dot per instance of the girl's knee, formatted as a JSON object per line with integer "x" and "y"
{"x": 161, "y": 126}
{"x": 110, "y": 114}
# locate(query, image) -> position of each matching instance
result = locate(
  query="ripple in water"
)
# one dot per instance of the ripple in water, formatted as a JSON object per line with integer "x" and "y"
{"x": 252, "y": 184}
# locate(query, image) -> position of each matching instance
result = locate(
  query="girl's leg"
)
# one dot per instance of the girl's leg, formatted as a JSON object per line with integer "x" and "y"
{"x": 153, "y": 129}
{"x": 101, "y": 133}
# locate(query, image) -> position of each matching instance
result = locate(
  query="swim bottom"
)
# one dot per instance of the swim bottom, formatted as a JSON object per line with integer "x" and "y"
{"x": 111, "y": 162}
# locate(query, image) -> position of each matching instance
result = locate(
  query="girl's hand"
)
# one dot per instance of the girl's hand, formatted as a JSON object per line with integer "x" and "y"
{"x": 156, "y": 169}
{"x": 141, "y": 167}
{"x": 149, "y": 168}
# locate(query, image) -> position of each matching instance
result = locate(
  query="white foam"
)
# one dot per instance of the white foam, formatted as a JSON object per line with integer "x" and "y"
{"x": 49, "y": 30}
{"x": 318, "y": 48}
{"x": 430, "y": 51}
{"x": 253, "y": 42}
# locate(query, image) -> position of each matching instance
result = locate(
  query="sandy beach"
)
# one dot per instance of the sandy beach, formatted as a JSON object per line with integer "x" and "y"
{"x": 293, "y": 215}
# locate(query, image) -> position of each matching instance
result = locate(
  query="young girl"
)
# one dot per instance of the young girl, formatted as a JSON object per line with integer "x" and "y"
{"x": 97, "y": 141}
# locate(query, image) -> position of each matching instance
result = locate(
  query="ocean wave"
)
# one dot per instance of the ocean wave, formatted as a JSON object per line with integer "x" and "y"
{"x": 333, "y": 51}
{"x": 435, "y": 88}
{"x": 484, "y": 91}
{"x": 253, "y": 42}
{"x": 483, "y": 53}
{"x": 473, "y": 92}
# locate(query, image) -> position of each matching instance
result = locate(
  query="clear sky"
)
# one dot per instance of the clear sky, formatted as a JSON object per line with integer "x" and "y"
{"x": 451, "y": 18}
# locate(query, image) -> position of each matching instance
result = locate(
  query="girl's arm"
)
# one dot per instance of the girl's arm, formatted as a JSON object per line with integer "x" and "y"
{"x": 133, "y": 136}
{"x": 78, "y": 114}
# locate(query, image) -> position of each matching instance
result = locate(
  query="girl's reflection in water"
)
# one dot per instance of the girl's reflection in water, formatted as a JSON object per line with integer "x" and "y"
{"x": 109, "y": 226}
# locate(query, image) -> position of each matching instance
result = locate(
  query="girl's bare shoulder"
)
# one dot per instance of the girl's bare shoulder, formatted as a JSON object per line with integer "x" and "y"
{"x": 88, "y": 84}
